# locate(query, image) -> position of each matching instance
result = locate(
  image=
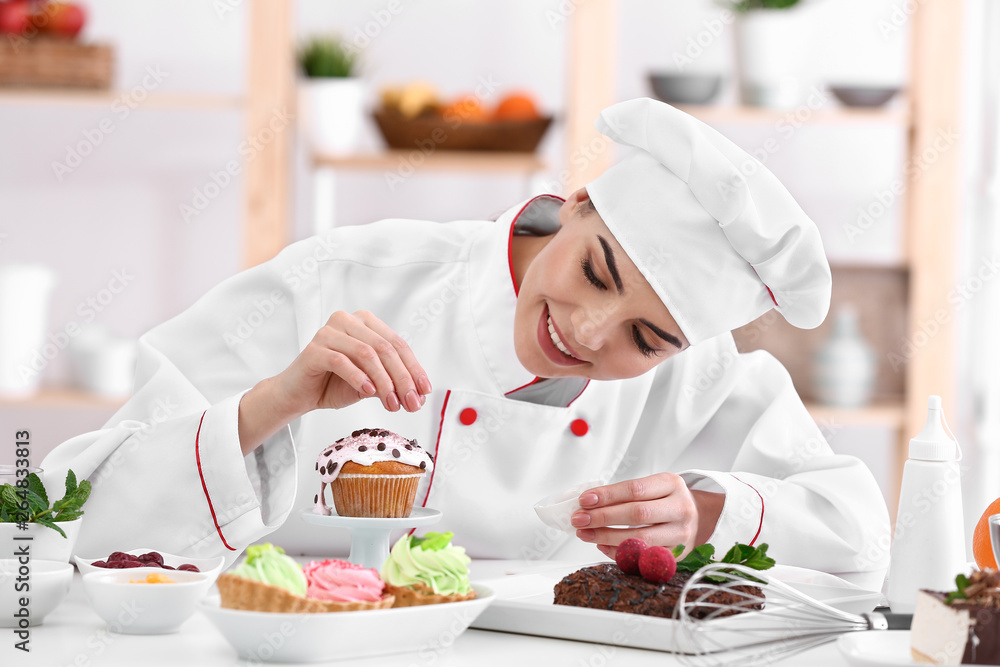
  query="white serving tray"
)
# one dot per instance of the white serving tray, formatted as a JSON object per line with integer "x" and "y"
{"x": 523, "y": 605}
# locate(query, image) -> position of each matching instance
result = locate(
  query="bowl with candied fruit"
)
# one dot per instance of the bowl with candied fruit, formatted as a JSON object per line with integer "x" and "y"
{"x": 145, "y": 600}
{"x": 150, "y": 558}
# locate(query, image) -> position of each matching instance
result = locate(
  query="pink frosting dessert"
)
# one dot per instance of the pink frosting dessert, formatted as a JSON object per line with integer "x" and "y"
{"x": 340, "y": 581}
{"x": 365, "y": 447}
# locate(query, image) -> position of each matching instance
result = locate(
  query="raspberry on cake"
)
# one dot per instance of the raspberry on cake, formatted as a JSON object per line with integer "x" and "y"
{"x": 371, "y": 473}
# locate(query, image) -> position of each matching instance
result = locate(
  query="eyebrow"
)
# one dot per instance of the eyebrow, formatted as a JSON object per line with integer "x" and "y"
{"x": 670, "y": 338}
{"x": 609, "y": 257}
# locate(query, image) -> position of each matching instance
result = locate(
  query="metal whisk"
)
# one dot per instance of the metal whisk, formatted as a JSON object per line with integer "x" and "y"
{"x": 733, "y": 615}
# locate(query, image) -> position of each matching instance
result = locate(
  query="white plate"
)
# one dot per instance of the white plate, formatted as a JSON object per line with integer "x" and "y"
{"x": 524, "y": 605}
{"x": 877, "y": 649}
{"x": 272, "y": 637}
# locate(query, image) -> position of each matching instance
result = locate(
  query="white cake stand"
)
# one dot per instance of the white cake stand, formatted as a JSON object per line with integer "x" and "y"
{"x": 369, "y": 536}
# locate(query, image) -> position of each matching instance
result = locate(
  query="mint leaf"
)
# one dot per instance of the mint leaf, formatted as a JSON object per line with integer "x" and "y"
{"x": 46, "y": 522}
{"x": 433, "y": 541}
{"x": 677, "y": 551}
{"x": 961, "y": 581}
{"x": 70, "y": 483}
{"x": 8, "y": 494}
{"x": 35, "y": 486}
{"x": 697, "y": 559}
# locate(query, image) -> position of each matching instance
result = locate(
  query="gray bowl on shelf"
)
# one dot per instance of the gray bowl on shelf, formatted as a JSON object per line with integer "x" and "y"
{"x": 863, "y": 96}
{"x": 685, "y": 88}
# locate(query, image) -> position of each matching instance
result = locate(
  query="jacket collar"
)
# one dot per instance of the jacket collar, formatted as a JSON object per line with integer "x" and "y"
{"x": 492, "y": 288}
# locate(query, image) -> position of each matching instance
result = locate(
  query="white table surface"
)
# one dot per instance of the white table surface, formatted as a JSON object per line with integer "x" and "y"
{"x": 73, "y": 634}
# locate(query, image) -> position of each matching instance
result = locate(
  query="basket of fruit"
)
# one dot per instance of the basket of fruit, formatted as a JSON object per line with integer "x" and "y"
{"x": 40, "y": 47}
{"x": 415, "y": 117}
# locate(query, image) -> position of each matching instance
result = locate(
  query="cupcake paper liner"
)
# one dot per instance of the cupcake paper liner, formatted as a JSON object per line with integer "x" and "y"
{"x": 239, "y": 593}
{"x": 378, "y": 496}
{"x": 421, "y": 594}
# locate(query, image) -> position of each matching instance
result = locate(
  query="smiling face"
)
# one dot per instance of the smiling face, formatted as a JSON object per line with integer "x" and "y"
{"x": 583, "y": 308}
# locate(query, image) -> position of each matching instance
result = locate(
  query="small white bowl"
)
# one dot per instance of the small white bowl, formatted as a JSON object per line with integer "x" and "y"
{"x": 556, "y": 510}
{"x": 140, "y": 608}
{"x": 49, "y": 583}
{"x": 207, "y": 566}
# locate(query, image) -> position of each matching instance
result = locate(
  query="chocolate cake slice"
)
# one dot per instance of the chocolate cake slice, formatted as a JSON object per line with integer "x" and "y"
{"x": 963, "y": 631}
{"x": 605, "y": 586}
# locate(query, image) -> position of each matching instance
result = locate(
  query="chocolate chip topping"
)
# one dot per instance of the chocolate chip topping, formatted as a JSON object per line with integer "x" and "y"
{"x": 413, "y": 442}
{"x": 333, "y": 466}
{"x": 355, "y": 434}
{"x": 322, "y": 470}
{"x": 409, "y": 446}
{"x": 317, "y": 465}
{"x": 339, "y": 447}
{"x": 423, "y": 465}
{"x": 381, "y": 446}
{"x": 315, "y": 498}
{"x": 395, "y": 453}
{"x": 362, "y": 448}
{"x": 327, "y": 452}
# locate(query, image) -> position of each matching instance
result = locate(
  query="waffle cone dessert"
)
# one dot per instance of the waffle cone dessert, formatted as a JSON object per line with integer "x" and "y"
{"x": 421, "y": 594}
{"x": 248, "y": 595}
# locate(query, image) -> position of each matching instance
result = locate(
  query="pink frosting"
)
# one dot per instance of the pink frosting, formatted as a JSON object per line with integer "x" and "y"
{"x": 340, "y": 581}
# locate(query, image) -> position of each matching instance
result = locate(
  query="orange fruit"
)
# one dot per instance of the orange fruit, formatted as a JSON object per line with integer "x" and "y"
{"x": 517, "y": 106}
{"x": 466, "y": 109}
{"x": 982, "y": 549}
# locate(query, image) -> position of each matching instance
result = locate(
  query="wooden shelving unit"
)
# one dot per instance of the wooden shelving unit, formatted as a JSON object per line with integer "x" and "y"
{"x": 932, "y": 196}
{"x": 105, "y": 98}
{"x": 897, "y": 114}
{"x": 471, "y": 161}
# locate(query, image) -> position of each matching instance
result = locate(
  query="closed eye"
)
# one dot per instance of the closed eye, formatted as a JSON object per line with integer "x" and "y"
{"x": 641, "y": 343}
{"x": 588, "y": 272}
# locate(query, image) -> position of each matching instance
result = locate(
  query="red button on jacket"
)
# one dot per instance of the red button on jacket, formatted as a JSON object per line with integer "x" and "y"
{"x": 579, "y": 427}
{"x": 468, "y": 416}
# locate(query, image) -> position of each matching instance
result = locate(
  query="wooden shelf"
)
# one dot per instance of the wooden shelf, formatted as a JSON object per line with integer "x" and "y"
{"x": 60, "y": 398}
{"x": 105, "y": 98}
{"x": 442, "y": 160}
{"x": 886, "y": 414}
{"x": 834, "y": 115}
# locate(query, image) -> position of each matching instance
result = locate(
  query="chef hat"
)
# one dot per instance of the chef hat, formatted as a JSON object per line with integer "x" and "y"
{"x": 713, "y": 231}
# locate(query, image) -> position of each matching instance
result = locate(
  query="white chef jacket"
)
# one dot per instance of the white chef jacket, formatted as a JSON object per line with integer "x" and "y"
{"x": 169, "y": 474}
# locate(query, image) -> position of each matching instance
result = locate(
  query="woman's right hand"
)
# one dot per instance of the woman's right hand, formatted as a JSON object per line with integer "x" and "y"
{"x": 353, "y": 356}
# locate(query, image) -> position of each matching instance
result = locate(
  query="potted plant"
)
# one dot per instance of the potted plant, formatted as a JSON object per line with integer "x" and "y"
{"x": 332, "y": 99}
{"x": 25, "y": 511}
{"x": 772, "y": 47}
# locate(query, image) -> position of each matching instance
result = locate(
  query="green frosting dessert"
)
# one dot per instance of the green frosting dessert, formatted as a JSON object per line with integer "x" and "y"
{"x": 431, "y": 560}
{"x": 268, "y": 564}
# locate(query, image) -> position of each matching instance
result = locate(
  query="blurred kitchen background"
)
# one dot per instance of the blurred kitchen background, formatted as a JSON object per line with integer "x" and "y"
{"x": 151, "y": 148}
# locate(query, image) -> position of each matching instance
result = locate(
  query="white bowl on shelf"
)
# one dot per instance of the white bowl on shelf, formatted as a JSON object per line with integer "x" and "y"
{"x": 49, "y": 582}
{"x": 46, "y": 543}
{"x": 210, "y": 567}
{"x": 275, "y": 637}
{"x": 142, "y": 608}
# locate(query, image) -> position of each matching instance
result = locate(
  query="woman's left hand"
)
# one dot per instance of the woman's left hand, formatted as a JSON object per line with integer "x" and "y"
{"x": 659, "y": 509}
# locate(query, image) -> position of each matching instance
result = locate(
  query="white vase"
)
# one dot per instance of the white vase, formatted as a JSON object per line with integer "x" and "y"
{"x": 772, "y": 47}
{"x": 45, "y": 543}
{"x": 25, "y": 293}
{"x": 845, "y": 365}
{"x": 333, "y": 113}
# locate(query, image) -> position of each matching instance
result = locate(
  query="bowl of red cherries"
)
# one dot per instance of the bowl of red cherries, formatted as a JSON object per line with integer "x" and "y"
{"x": 150, "y": 558}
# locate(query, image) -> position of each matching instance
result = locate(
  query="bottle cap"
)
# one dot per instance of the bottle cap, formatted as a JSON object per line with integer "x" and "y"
{"x": 935, "y": 442}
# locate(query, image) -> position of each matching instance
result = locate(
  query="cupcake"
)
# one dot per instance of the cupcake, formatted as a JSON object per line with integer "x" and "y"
{"x": 267, "y": 580}
{"x": 427, "y": 570}
{"x": 343, "y": 586}
{"x": 372, "y": 473}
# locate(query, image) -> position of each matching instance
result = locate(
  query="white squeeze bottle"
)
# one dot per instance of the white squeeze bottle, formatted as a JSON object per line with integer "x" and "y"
{"x": 928, "y": 547}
